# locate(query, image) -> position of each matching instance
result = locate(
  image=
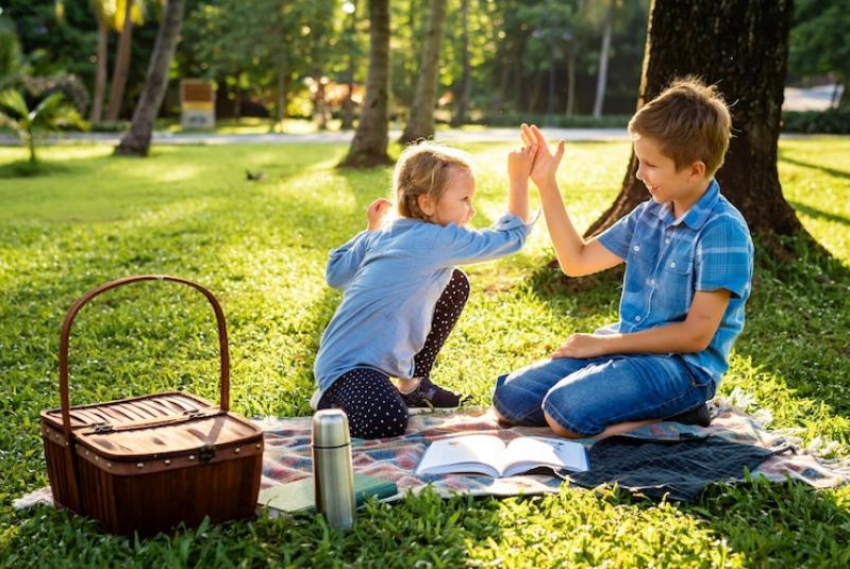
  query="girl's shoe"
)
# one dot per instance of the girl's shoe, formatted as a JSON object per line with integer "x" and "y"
{"x": 427, "y": 397}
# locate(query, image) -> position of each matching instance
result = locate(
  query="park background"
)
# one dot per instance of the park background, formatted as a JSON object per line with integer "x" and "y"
{"x": 254, "y": 222}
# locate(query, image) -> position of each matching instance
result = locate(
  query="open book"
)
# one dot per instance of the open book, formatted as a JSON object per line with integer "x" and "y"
{"x": 487, "y": 454}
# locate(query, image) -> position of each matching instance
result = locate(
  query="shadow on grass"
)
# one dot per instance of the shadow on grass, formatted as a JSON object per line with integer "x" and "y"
{"x": 820, "y": 214}
{"x": 825, "y": 169}
{"x": 760, "y": 518}
{"x": 381, "y": 537}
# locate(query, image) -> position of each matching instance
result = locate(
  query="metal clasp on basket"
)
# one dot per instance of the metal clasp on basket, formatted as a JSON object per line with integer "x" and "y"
{"x": 100, "y": 428}
{"x": 206, "y": 453}
{"x": 194, "y": 413}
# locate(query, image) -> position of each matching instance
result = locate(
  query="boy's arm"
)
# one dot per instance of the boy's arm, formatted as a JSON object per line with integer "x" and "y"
{"x": 694, "y": 334}
{"x": 575, "y": 256}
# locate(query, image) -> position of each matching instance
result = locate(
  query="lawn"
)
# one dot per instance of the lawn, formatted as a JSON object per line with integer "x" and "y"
{"x": 261, "y": 247}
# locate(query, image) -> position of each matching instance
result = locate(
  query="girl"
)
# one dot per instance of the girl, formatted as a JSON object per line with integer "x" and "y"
{"x": 403, "y": 293}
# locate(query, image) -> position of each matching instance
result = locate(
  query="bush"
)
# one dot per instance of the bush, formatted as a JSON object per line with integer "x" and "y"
{"x": 832, "y": 121}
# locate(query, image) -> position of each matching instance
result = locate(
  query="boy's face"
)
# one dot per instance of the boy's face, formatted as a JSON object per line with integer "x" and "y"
{"x": 455, "y": 205}
{"x": 658, "y": 172}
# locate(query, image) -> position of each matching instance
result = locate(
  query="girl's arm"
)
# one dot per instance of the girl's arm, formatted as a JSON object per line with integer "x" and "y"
{"x": 345, "y": 260}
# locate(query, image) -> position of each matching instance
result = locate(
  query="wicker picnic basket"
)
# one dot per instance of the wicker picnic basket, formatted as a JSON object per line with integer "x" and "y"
{"x": 145, "y": 464}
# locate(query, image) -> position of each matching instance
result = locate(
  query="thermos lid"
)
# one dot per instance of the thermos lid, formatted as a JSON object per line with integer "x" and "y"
{"x": 330, "y": 429}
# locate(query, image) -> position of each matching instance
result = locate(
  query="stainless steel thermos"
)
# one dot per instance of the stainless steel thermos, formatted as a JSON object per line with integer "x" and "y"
{"x": 333, "y": 474}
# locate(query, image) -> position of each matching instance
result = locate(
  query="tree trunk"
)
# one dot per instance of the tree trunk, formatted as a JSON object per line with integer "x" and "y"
{"x": 281, "y": 95}
{"x": 348, "y": 104}
{"x": 421, "y": 122}
{"x": 138, "y": 140}
{"x": 742, "y": 46}
{"x": 122, "y": 64}
{"x": 100, "y": 76}
{"x": 369, "y": 146}
{"x": 462, "y": 105}
{"x": 571, "y": 81}
{"x": 602, "y": 78}
{"x": 237, "y": 98}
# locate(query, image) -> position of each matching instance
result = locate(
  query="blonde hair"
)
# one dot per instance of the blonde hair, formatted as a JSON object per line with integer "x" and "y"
{"x": 691, "y": 122}
{"x": 424, "y": 169}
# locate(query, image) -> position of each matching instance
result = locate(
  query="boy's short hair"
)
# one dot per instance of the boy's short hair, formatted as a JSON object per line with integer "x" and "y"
{"x": 424, "y": 169}
{"x": 691, "y": 122}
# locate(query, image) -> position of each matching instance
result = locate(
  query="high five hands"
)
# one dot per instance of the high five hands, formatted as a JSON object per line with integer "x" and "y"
{"x": 545, "y": 162}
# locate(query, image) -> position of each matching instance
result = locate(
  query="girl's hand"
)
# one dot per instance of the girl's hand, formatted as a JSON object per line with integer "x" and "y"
{"x": 520, "y": 163}
{"x": 375, "y": 213}
{"x": 581, "y": 346}
{"x": 546, "y": 163}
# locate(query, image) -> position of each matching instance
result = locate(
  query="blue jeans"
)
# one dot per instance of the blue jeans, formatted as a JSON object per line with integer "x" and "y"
{"x": 586, "y": 395}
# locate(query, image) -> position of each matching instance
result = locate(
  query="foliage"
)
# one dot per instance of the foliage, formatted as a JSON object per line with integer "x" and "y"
{"x": 51, "y": 114}
{"x": 820, "y": 44}
{"x": 832, "y": 121}
{"x": 262, "y": 246}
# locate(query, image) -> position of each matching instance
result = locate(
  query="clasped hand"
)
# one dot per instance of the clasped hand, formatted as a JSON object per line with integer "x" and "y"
{"x": 581, "y": 346}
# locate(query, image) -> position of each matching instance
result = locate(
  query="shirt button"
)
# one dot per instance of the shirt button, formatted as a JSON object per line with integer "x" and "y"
{"x": 637, "y": 247}
{"x": 667, "y": 240}
{"x": 637, "y": 318}
{"x": 672, "y": 264}
{"x": 652, "y": 282}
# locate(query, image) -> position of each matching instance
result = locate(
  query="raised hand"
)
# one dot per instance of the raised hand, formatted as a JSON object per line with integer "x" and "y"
{"x": 375, "y": 213}
{"x": 545, "y": 163}
{"x": 520, "y": 162}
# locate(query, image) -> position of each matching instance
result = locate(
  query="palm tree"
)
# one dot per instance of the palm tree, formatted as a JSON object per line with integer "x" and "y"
{"x": 104, "y": 12}
{"x": 369, "y": 146}
{"x": 421, "y": 122}
{"x": 138, "y": 140}
{"x": 125, "y": 19}
{"x": 50, "y": 115}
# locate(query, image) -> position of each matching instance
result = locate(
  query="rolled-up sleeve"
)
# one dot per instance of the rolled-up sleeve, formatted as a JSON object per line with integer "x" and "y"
{"x": 724, "y": 256}
{"x": 457, "y": 245}
{"x": 618, "y": 237}
{"x": 345, "y": 260}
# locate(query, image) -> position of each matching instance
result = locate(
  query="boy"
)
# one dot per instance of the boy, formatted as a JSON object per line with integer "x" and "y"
{"x": 688, "y": 256}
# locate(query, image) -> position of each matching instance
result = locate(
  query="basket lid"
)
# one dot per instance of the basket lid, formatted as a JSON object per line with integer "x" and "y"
{"x": 171, "y": 437}
{"x": 130, "y": 410}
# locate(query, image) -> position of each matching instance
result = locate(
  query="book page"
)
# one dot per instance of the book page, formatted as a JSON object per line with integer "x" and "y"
{"x": 526, "y": 453}
{"x": 463, "y": 454}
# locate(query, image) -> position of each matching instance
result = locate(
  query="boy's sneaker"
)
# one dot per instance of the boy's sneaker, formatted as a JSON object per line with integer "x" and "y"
{"x": 699, "y": 416}
{"x": 427, "y": 397}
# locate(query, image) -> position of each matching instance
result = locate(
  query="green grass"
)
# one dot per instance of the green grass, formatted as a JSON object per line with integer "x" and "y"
{"x": 261, "y": 247}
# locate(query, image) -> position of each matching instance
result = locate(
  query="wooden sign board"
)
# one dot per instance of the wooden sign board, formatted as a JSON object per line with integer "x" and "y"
{"x": 197, "y": 103}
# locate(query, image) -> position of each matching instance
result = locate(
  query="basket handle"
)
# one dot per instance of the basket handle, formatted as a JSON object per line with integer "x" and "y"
{"x": 75, "y": 308}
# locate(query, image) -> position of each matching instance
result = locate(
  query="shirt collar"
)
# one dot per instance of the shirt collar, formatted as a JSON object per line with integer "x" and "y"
{"x": 699, "y": 212}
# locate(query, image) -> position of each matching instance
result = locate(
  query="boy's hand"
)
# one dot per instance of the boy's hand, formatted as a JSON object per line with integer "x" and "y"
{"x": 546, "y": 163}
{"x": 376, "y": 212}
{"x": 581, "y": 346}
{"x": 520, "y": 162}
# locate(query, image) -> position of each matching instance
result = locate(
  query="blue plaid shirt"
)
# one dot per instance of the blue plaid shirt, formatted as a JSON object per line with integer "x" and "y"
{"x": 668, "y": 260}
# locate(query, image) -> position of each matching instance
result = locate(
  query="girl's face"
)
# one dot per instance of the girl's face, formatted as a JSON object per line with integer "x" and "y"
{"x": 455, "y": 205}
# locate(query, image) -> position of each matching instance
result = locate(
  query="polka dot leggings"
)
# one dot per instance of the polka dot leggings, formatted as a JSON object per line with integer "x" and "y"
{"x": 374, "y": 406}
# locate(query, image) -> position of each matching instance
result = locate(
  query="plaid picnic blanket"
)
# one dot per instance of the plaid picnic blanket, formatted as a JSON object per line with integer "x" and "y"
{"x": 288, "y": 453}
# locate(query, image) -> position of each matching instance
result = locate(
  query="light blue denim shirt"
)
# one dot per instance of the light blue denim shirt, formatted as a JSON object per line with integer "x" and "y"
{"x": 668, "y": 260}
{"x": 392, "y": 279}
